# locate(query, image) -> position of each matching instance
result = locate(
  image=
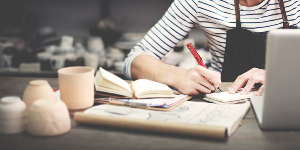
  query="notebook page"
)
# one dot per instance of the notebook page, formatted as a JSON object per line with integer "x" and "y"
{"x": 114, "y": 79}
{"x": 144, "y": 87}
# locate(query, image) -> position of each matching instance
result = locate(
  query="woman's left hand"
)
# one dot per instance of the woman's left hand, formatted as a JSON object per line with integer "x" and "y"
{"x": 248, "y": 79}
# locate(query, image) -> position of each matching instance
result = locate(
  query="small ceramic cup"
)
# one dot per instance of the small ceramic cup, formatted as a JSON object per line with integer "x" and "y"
{"x": 76, "y": 87}
{"x": 48, "y": 117}
{"x": 57, "y": 61}
{"x": 37, "y": 89}
{"x": 12, "y": 115}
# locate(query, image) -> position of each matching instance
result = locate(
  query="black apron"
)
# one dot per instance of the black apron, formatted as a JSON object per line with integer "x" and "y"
{"x": 245, "y": 49}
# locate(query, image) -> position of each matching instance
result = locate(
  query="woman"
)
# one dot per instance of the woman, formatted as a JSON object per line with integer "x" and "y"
{"x": 218, "y": 19}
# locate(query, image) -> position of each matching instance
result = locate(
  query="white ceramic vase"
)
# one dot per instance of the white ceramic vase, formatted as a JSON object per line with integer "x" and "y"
{"x": 37, "y": 89}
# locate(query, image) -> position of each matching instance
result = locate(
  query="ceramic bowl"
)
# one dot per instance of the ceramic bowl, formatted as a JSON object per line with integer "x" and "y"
{"x": 48, "y": 117}
{"x": 77, "y": 87}
{"x": 12, "y": 107}
{"x": 37, "y": 89}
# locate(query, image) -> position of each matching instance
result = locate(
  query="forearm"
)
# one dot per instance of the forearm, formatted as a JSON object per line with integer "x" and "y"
{"x": 148, "y": 67}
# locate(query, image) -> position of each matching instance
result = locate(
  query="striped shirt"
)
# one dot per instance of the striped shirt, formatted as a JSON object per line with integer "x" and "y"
{"x": 214, "y": 17}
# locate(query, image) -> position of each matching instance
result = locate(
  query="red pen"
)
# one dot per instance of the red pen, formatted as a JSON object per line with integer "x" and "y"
{"x": 197, "y": 57}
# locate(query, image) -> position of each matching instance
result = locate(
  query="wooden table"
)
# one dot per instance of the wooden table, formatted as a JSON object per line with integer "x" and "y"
{"x": 81, "y": 137}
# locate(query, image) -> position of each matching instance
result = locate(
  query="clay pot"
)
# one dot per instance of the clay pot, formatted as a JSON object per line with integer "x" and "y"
{"x": 48, "y": 117}
{"x": 12, "y": 115}
{"x": 76, "y": 87}
{"x": 37, "y": 89}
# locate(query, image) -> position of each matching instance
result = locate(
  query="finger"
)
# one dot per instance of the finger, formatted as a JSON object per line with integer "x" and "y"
{"x": 202, "y": 89}
{"x": 237, "y": 84}
{"x": 240, "y": 81}
{"x": 252, "y": 80}
{"x": 206, "y": 83}
{"x": 212, "y": 76}
{"x": 261, "y": 91}
{"x": 198, "y": 78}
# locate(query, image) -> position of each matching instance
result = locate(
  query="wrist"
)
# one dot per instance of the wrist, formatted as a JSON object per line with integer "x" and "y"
{"x": 175, "y": 76}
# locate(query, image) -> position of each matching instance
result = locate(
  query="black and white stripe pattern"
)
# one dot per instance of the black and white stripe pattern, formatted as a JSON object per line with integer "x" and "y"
{"x": 214, "y": 17}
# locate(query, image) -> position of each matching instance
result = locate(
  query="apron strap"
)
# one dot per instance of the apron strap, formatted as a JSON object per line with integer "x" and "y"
{"x": 282, "y": 9}
{"x": 284, "y": 17}
{"x": 237, "y": 13}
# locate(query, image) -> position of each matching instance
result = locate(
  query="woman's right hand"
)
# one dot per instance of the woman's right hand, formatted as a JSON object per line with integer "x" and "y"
{"x": 196, "y": 80}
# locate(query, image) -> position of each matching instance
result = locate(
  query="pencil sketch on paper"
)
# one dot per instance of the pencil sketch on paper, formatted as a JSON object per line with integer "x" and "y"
{"x": 180, "y": 108}
{"x": 151, "y": 116}
{"x": 189, "y": 112}
{"x": 215, "y": 114}
{"x": 162, "y": 116}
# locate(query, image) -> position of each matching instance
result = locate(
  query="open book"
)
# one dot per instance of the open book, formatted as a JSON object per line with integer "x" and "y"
{"x": 108, "y": 84}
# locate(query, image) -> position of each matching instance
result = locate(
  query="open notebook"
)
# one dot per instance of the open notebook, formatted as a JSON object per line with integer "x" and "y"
{"x": 108, "y": 84}
{"x": 226, "y": 97}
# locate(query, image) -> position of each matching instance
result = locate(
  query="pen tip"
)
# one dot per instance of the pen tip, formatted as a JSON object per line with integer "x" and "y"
{"x": 220, "y": 89}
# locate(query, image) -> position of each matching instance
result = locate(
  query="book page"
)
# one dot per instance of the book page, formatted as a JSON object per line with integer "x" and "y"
{"x": 114, "y": 79}
{"x": 199, "y": 113}
{"x": 146, "y": 88}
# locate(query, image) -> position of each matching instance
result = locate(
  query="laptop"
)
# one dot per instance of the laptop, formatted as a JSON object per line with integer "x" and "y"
{"x": 279, "y": 107}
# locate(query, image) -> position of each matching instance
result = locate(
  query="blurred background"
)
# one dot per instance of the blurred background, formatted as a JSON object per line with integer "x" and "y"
{"x": 38, "y": 37}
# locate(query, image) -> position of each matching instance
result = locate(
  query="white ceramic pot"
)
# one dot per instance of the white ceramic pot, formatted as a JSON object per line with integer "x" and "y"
{"x": 12, "y": 129}
{"x": 12, "y": 121}
{"x": 37, "y": 89}
{"x": 12, "y": 115}
{"x": 12, "y": 107}
{"x": 48, "y": 117}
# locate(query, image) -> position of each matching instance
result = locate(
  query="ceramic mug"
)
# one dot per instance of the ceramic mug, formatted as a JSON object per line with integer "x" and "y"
{"x": 76, "y": 87}
{"x": 57, "y": 62}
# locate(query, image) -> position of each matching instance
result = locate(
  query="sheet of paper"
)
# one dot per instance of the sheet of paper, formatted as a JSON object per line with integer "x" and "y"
{"x": 228, "y": 115}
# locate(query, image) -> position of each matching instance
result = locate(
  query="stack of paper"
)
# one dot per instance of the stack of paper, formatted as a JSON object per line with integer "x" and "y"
{"x": 226, "y": 97}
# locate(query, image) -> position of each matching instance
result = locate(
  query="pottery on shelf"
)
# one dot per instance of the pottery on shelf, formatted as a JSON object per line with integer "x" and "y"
{"x": 48, "y": 117}
{"x": 77, "y": 87}
{"x": 12, "y": 115}
{"x": 37, "y": 89}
